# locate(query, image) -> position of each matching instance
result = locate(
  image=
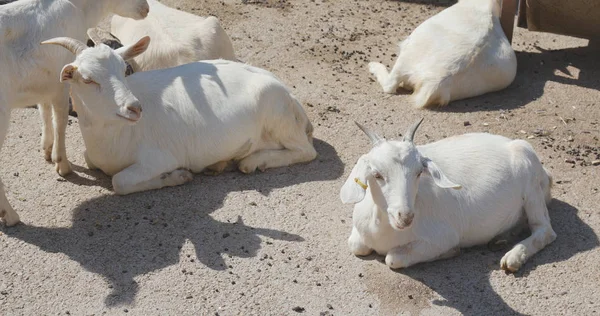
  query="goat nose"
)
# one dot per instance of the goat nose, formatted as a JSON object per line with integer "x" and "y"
{"x": 406, "y": 218}
{"x": 135, "y": 108}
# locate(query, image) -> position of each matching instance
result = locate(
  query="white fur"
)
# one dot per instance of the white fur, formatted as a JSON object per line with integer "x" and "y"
{"x": 457, "y": 192}
{"x": 177, "y": 37}
{"x": 29, "y": 71}
{"x": 196, "y": 116}
{"x": 458, "y": 53}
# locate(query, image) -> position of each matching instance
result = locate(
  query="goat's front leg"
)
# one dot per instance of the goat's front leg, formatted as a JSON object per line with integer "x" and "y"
{"x": 60, "y": 111}
{"x": 146, "y": 176}
{"x": 6, "y": 211}
{"x": 357, "y": 245}
{"x": 47, "y": 130}
{"x": 419, "y": 251}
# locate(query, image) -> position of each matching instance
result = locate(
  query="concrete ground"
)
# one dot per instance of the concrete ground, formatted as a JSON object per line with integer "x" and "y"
{"x": 274, "y": 243}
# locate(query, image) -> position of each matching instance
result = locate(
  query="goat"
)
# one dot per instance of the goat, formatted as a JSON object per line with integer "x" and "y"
{"x": 177, "y": 37}
{"x": 196, "y": 116}
{"x": 458, "y": 53}
{"x": 28, "y": 71}
{"x": 422, "y": 203}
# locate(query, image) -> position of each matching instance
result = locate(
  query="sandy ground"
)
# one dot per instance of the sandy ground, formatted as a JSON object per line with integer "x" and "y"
{"x": 274, "y": 243}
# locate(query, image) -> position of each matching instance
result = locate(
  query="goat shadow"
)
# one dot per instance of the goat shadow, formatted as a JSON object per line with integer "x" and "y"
{"x": 464, "y": 281}
{"x": 534, "y": 70}
{"x": 121, "y": 237}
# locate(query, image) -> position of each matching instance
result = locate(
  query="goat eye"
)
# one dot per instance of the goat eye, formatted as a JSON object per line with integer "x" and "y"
{"x": 378, "y": 175}
{"x": 88, "y": 81}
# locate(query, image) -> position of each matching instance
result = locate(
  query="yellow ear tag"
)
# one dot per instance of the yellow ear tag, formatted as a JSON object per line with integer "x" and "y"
{"x": 364, "y": 186}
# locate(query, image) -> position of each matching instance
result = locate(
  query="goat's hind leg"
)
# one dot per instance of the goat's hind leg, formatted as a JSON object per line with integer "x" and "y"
{"x": 47, "y": 129}
{"x": 6, "y": 211}
{"x": 60, "y": 110}
{"x": 388, "y": 81}
{"x": 542, "y": 233}
{"x": 297, "y": 148}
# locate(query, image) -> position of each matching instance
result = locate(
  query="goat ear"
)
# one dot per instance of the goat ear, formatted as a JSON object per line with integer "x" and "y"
{"x": 438, "y": 176}
{"x": 131, "y": 51}
{"x": 67, "y": 72}
{"x": 355, "y": 187}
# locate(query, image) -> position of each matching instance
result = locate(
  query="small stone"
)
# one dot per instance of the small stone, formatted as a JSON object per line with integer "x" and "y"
{"x": 90, "y": 234}
{"x": 329, "y": 306}
{"x": 522, "y": 132}
{"x": 360, "y": 275}
{"x": 595, "y": 162}
{"x": 252, "y": 203}
{"x": 298, "y": 309}
{"x": 570, "y": 161}
{"x": 410, "y": 297}
{"x": 126, "y": 310}
{"x": 188, "y": 297}
{"x": 485, "y": 124}
{"x": 16, "y": 174}
{"x": 467, "y": 123}
{"x": 225, "y": 235}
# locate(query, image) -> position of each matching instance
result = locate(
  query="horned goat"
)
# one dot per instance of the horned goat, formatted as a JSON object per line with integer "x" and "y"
{"x": 196, "y": 116}
{"x": 423, "y": 203}
{"x": 28, "y": 71}
{"x": 458, "y": 53}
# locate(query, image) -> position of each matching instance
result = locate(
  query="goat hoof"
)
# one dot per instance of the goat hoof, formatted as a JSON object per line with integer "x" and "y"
{"x": 48, "y": 154}
{"x": 247, "y": 167}
{"x": 63, "y": 168}
{"x": 394, "y": 262}
{"x": 514, "y": 259}
{"x": 10, "y": 218}
{"x": 177, "y": 177}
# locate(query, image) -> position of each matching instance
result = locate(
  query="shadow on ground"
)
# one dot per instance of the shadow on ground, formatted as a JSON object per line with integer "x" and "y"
{"x": 464, "y": 281}
{"x": 534, "y": 70}
{"x": 121, "y": 237}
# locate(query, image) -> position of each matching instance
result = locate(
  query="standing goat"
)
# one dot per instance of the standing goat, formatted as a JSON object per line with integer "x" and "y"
{"x": 422, "y": 203}
{"x": 458, "y": 53}
{"x": 177, "y": 37}
{"x": 196, "y": 116}
{"x": 28, "y": 71}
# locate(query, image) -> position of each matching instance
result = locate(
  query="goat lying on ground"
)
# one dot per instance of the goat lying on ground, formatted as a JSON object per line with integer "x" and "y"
{"x": 29, "y": 71}
{"x": 458, "y": 53}
{"x": 196, "y": 116}
{"x": 422, "y": 203}
{"x": 177, "y": 37}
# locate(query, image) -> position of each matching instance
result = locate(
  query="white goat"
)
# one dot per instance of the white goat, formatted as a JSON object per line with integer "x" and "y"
{"x": 196, "y": 116}
{"x": 422, "y": 203}
{"x": 177, "y": 37}
{"x": 458, "y": 53}
{"x": 28, "y": 71}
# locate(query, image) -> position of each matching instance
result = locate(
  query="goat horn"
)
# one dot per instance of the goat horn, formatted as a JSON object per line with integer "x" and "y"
{"x": 73, "y": 45}
{"x": 410, "y": 133}
{"x": 375, "y": 139}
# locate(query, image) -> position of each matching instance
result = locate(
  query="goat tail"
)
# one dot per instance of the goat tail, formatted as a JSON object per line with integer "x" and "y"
{"x": 547, "y": 185}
